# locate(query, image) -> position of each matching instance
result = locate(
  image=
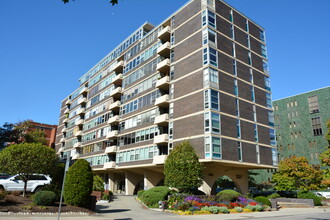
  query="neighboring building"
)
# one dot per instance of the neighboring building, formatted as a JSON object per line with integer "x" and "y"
{"x": 201, "y": 75}
{"x": 301, "y": 125}
{"x": 50, "y": 131}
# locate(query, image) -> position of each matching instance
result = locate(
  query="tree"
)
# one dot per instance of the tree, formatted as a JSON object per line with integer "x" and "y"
{"x": 6, "y": 135}
{"x": 113, "y": 2}
{"x": 325, "y": 159}
{"x": 78, "y": 184}
{"x": 182, "y": 169}
{"x": 26, "y": 159}
{"x": 296, "y": 173}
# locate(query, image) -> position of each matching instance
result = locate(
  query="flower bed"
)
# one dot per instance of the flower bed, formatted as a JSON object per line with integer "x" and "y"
{"x": 188, "y": 205}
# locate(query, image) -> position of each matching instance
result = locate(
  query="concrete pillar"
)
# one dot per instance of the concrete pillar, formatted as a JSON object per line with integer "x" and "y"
{"x": 131, "y": 180}
{"x": 111, "y": 182}
{"x": 151, "y": 179}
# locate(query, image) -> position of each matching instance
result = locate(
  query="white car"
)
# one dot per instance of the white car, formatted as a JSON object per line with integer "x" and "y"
{"x": 325, "y": 194}
{"x": 15, "y": 183}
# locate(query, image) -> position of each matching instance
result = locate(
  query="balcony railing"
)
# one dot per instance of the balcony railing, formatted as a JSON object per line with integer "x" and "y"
{"x": 111, "y": 149}
{"x": 164, "y": 34}
{"x": 118, "y": 67}
{"x": 115, "y": 105}
{"x": 163, "y": 83}
{"x": 161, "y": 139}
{"x": 65, "y": 120}
{"x": 164, "y": 66}
{"x": 66, "y": 111}
{"x": 62, "y": 139}
{"x": 161, "y": 119}
{"x": 77, "y": 145}
{"x": 112, "y": 134}
{"x": 64, "y": 130}
{"x": 160, "y": 159}
{"x": 162, "y": 101}
{"x": 116, "y": 92}
{"x": 117, "y": 79}
{"x": 81, "y": 111}
{"x": 84, "y": 90}
{"x": 78, "y": 133}
{"x": 75, "y": 156}
{"x": 113, "y": 120}
{"x": 83, "y": 100}
{"x": 80, "y": 122}
{"x": 164, "y": 50}
{"x": 109, "y": 165}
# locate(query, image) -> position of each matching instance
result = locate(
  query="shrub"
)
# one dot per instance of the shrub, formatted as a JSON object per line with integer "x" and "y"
{"x": 78, "y": 184}
{"x": 274, "y": 196}
{"x": 152, "y": 196}
{"x": 98, "y": 184}
{"x": 309, "y": 195}
{"x": 228, "y": 195}
{"x": 254, "y": 208}
{"x": 44, "y": 198}
{"x": 238, "y": 209}
{"x": 107, "y": 195}
{"x": 215, "y": 209}
{"x": 3, "y": 194}
{"x": 263, "y": 200}
{"x": 139, "y": 193}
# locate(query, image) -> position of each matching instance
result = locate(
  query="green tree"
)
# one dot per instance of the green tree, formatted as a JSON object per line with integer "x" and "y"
{"x": 98, "y": 184}
{"x": 7, "y": 134}
{"x": 296, "y": 173}
{"x": 113, "y": 2}
{"x": 325, "y": 159}
{"x": 182, "y": 168}
{"x": 78, "y": 184}
{"x": 26, "y": 159}
{"x": 25, "y": 133}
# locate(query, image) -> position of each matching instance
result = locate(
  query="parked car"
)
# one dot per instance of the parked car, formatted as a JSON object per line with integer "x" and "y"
{"x": 15, "y": 183}
{"x": 325, "y": 193}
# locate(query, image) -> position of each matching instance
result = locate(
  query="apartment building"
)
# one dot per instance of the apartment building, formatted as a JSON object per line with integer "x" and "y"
{"x": 301, "y": 126}
{"x": 201, "y": 75}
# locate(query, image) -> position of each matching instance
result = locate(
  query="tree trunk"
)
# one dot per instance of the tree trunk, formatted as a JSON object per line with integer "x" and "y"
{"x": 25, "y": 185}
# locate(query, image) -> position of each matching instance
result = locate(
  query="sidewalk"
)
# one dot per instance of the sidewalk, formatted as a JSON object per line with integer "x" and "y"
{"x": 127, "y": 208}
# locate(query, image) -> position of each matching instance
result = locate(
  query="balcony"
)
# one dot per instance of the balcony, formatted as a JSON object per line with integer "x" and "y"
{"x": 84, "y": 90}
{"x": 165, "y": 34}
{"x": 111, "y": 149}
{"x": 160, "y": 159}
{"x": 66, "y": 111}
{"x": 68, "y": 102}
{"x": 161, "y": 119}
{"x": 162, "y": 101}
{"x": 118, "y": 67}
{"x": 63, "y": 130}
{"x": 77, "y": 145}
{"x": 62, "y": 140}
{"x": 112, "y": 134}
{"x": 65, "y": 120}
{"x": 80, "y": 122}
{"x": 81, "y": 111}
{"x": 117, "y": 80}
{"x": 113, "y": 120}
{"x": 109, "y": 165}
{"x": 115, "y": 106}
{"x": 60, "y": 150}
{"x": 164, "y": 50}
{"x": 78, "y": 133}
{"x": 164, "y": 66}
{"x": 163, "y": 83}
{"x": 83, "y": 100}
{"x": 116, "y": 93}
{"x": 161, "y": 139}
{"x": 75, "y": 156}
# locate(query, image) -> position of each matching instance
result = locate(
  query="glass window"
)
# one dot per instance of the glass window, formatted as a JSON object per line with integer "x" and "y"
{"x": 313, "y": 104}
{"x": 269, "y": 100}
{"x": 239, "y": 149}
{"x": 267, "y": 83}
{"x": 271, "y": 118}
{"x": 317, "y": 126}
{"x": 207, "y": 147}
{"x": 216, "y": 147}
{"x": 262, "y": 35}
{"x": 238, "y": 128}
{"x": 263, "y": 51}
{"x": 207, "y": 121}
{"x": 272, "y": 137}
{"x": 215, "y": 100}
{"x": 215, "y": 122}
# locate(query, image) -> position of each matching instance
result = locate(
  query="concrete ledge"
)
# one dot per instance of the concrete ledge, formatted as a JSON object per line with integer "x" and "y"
{"x": 308, "y": 202}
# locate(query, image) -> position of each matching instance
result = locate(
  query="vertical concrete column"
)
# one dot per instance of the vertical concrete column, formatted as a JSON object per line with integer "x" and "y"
{"x": 111, "y": 182}
{"x": 241, "y": 179}
{"x": 151, "y": 179}
{"x": 131, "y": 180}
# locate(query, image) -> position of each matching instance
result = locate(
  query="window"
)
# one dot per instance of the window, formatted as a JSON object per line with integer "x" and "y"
{"x": 267, "y": 83}
{"x": 216, "y": 147}
{"x": 211, "y": 78}
{"x": 239, "y": 149}
{"x": 274, "y": 157}
{"x": 215, "y": 122}
{"x": 208, "y": 17}
{"x": 234, "y": 68}
{"x": 214, "y": 100}
{"x": 258, "y": 154}
{"x": 313, "y": 104}
{"x": 265, "y": 66}
{"x": 262, "y": 35}
{"x": 272, "y": 137}
{"x": 317, "y": 126}
{"x": 271, "y": 118}
{"x": 263, "y": 51}
{"x": 209, "y": 37}
{"x": 255, "y": 128}
{"x": 269, "y": 100}
{"x": 210, "y": 56}
{"x": 207, "y": 121}
{"x": 238, "y": 127}
{"x": 235, "y": 87}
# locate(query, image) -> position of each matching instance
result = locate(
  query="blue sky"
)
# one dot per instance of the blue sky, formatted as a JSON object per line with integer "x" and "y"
{"x": 46, "y": 46}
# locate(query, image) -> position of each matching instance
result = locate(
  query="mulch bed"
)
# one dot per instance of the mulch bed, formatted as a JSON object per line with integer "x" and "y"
{"x": 16, "y": 204}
